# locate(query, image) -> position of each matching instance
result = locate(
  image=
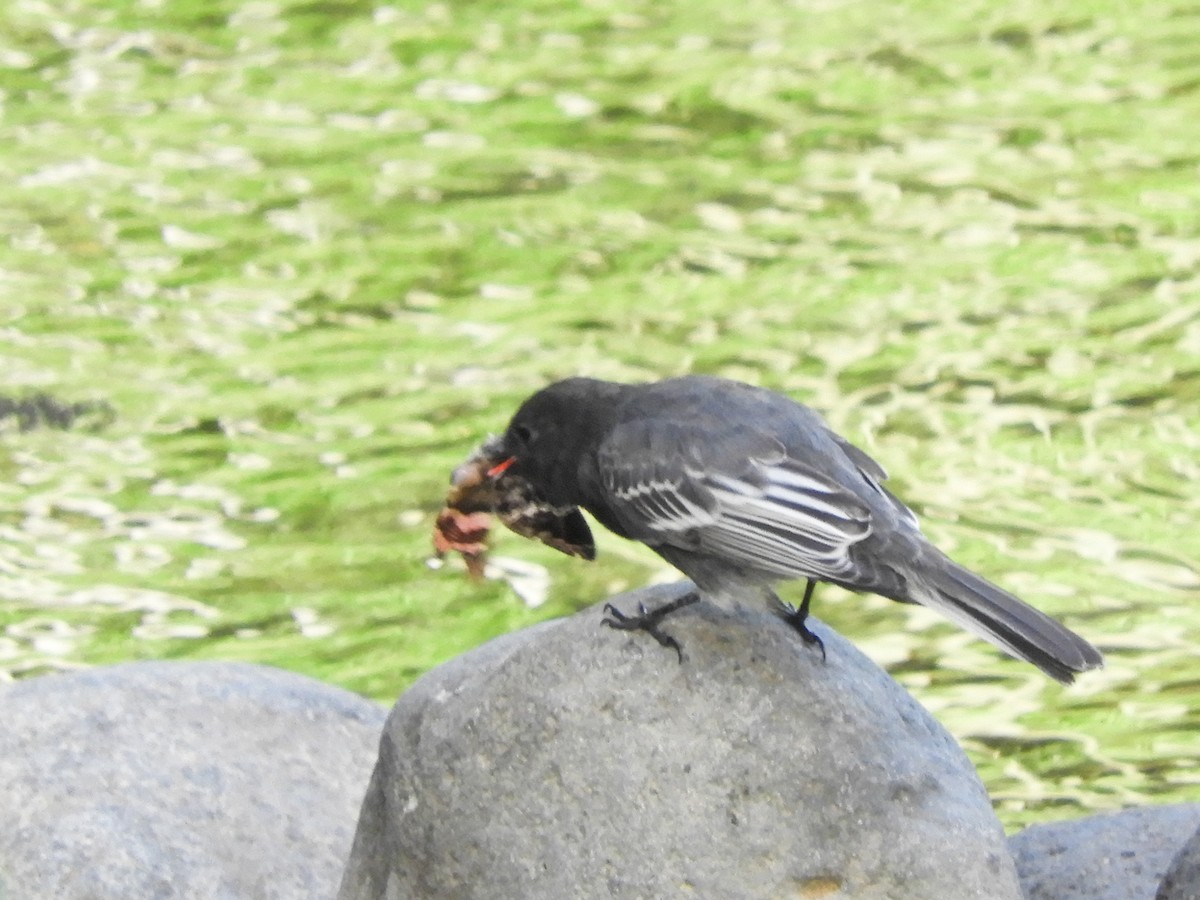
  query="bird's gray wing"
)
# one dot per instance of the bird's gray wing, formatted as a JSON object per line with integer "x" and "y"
{"x": 874, "y": 475}
{"x": 733, "y": 494}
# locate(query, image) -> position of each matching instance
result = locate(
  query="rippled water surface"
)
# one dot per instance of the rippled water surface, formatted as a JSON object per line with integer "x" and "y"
{"x": 296, "y": 259}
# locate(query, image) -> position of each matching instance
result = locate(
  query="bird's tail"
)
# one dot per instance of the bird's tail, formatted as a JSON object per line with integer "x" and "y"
{"x": 1006, "y": 621}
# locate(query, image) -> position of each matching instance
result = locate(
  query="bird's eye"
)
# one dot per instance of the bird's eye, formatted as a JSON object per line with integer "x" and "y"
{"x": 522, "y": 433}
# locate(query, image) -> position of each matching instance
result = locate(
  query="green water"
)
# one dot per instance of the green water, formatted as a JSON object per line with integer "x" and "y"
{"x": 311, "y": 253}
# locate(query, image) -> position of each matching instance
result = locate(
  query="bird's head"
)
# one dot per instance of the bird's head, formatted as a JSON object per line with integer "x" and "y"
{"x": 552, "y": 432}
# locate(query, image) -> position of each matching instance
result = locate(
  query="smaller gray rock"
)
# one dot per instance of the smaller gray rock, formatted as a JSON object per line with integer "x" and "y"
{"x": 571, "y": 761}
{"x": 1115, "y": 856}
{"x": 159, "y": 780}
{"x": 1182, "y": 881}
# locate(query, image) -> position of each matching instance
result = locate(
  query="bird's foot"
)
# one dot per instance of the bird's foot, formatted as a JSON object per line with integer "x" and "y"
{"x": 648, "y": 620}
{"x": 797, "y": 618}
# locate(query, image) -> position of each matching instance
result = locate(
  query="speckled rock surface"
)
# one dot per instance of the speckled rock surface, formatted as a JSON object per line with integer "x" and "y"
{"x": 574, "y": 761}
{"x": 159, "y": 780}
{"x": 1116, "y": 856}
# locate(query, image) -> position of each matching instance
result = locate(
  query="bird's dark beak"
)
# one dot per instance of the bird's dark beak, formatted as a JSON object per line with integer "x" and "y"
{"x": 577, "y": 537}
{"x": 477, "y": 486}
{"x": 473, "y": 482}
{"x": 488, "y": 461}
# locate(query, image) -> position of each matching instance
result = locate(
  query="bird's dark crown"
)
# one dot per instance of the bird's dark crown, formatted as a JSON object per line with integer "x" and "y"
{"x": 555, "y": 428}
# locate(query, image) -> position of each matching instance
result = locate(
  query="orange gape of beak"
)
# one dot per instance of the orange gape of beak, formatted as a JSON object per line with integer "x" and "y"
{"x": 497, "y": 470}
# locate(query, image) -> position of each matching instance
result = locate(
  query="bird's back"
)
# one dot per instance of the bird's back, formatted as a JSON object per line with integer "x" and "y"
{"x": 735, "y": 421}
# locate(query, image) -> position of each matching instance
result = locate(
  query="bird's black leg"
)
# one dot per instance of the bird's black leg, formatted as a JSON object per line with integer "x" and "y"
{"x": 648, "y": 620}
{"x": 796, "y": 618}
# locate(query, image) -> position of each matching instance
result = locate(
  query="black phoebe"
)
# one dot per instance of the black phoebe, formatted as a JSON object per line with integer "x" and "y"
{"x": 740, "y": 487}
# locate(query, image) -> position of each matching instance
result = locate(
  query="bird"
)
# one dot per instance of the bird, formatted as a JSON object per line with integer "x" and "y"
{"x": 740, "y": 488}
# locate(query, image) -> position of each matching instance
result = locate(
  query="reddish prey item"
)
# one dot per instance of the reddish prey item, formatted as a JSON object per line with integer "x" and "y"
{"x": 497, "y": 470}
{"x": 465, "y": 533}
{"x": 484, "y": 484}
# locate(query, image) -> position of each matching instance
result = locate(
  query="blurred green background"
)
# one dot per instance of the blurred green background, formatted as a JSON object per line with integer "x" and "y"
{"x": 310, "y": 253}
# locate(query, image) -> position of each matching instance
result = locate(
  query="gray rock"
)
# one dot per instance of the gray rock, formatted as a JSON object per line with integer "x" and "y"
{"x": 575, "y": 761}
{"x": 197, "y": 780}
{"x": 1116, "y": 856}
{"x": 1182, "y": 881}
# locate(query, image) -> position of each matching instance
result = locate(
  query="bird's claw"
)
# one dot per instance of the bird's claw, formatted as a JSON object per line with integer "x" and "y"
{"x": 810, "y": 637}
{"x": 648, "y": 621}
{"x": 797, "y": 617}
{"x": 807, "y": 635}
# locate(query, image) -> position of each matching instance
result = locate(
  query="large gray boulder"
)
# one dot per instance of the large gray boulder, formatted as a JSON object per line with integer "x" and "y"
{"x": 220, "y": 781}
{"x": 1115, "y": 856}
{"x": 1182, "y": 881}
{"x": 575, "y": 761}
